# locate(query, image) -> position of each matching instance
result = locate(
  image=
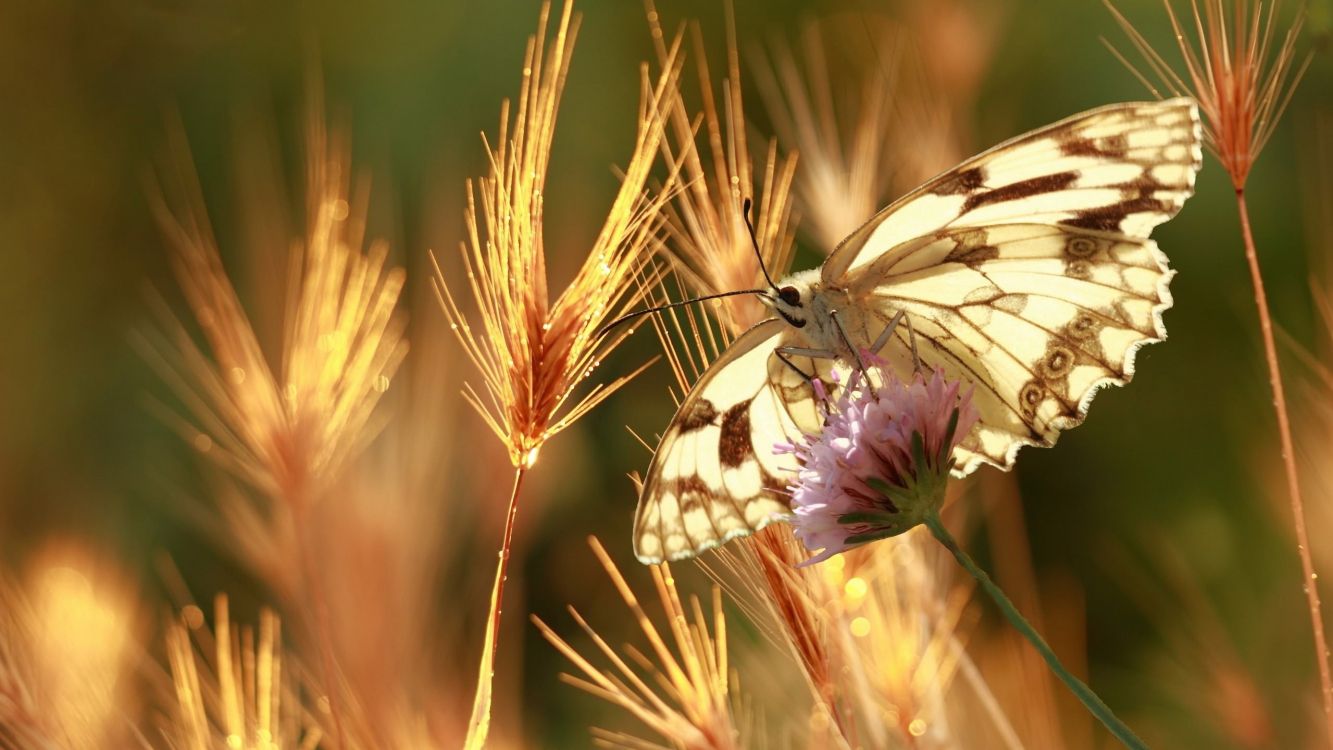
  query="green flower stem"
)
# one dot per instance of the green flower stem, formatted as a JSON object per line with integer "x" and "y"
{"x": 1075, "y": 685}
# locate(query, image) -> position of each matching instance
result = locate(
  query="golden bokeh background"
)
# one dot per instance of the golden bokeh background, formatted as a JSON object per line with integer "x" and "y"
{"x": 1157, "y": 532}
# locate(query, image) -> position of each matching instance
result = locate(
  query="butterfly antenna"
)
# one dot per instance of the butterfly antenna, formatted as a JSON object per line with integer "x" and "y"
{"x": 659, "y": 308}
{"x": 754, "y": 242}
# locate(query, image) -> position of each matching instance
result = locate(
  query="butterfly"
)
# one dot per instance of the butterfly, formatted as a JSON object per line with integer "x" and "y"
{"x": 1025, "y": 271}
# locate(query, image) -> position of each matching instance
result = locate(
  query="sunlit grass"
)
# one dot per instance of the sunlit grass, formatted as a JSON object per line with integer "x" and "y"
{"x": 66, "y": 654}
{"x": 533, "y": 351}
{"x": 234, "y": 686}
{"x": 692, "y": 705}
{"x": 709, "y": 240}
{"x": 1242, "y": 68}
{"x": 345, "y": 493}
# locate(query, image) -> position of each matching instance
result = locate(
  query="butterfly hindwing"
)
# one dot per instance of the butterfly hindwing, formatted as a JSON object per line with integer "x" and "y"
{"x": 1123, "y": 168}
{"x": 1037, "y": 317}
{"x": 715, "y": 475}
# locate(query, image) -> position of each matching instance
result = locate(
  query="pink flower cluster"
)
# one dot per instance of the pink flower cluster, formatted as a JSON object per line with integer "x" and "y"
{"x": 881, "y": 461}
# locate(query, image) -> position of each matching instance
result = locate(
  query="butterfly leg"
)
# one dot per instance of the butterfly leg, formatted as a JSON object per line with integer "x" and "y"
{"x": 911, "y": 338}
{"x": 785, "y": 352}
{"x": 782, "y": 355}
{"x": 899, "y": 317}
{"x": 883, "y": 337}
{"x": 801, "y": 351}
{"x": 842, "y": 331}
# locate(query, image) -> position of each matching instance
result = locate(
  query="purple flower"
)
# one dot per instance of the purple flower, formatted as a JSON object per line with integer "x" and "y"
{"x": 882, "y": 461}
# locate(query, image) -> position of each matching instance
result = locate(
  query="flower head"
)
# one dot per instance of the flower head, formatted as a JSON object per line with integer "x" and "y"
{"x": 881, "y": 462}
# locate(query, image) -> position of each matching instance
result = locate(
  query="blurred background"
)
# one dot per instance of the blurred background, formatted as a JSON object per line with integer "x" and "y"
{"x": 1157, "y": 533}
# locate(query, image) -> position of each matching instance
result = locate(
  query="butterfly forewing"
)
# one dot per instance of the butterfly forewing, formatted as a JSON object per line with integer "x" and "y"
{"x": 1124, "y": 168}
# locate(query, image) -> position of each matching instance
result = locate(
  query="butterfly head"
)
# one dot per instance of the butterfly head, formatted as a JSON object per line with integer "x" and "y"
{"x": 791, "y": 297}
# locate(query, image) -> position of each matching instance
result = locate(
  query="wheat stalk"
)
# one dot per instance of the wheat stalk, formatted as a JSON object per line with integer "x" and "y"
{"x": 1243, "y": 78}
{"x": 532, "y": 351}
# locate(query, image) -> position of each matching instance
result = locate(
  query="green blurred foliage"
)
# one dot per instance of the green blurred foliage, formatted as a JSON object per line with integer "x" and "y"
{"x": 1187, "y": 456}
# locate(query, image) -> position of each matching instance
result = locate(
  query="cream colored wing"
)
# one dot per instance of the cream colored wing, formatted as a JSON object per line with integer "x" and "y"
{"x": 1036, "y": 317}
{"x": 1123, "y": 168}
{"x": 715, "y": 475}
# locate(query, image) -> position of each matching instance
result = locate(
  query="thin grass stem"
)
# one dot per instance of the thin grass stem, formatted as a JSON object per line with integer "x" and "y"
{"x": 479, "y": 725}
{"x": 1309, "y": 577}
{"x": 1079, "y": 688}
{"x": 319, "y": 605}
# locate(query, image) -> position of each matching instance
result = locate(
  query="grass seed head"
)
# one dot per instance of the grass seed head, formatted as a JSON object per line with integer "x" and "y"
{"x": 534, "y": 351}
{"x": 692, "y": 705}
{"x": 846, "y": 167}
{"x": 709, "y": 242}
{"x": 1237, "y": 62}
{"x": 234, "y": 687}
{"x": 287, "y": 427}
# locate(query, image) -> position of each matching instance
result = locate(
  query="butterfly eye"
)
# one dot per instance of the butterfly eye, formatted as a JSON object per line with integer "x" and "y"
{"x": 790, "y": 295}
